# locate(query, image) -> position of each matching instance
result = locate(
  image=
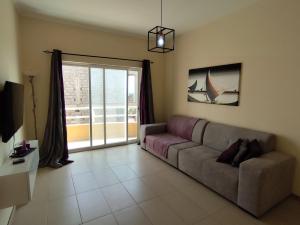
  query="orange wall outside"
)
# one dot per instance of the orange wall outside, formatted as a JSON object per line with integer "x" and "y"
{"x": 80, "y": 132}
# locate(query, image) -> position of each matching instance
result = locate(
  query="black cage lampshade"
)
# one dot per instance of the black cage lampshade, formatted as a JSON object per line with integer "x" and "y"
{"x": 161, "y": 39}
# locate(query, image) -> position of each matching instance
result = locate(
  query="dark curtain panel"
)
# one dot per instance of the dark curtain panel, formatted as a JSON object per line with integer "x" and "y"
{"x": 54, "y": 150}
{"x": 146, "y": 98}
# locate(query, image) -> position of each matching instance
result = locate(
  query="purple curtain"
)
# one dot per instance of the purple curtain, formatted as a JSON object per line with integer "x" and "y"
{"x": 54, "y": 149}
{"x": 146, "y": 98}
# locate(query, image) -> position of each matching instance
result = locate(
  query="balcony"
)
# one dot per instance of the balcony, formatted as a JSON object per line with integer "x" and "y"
{"x": 79, "y": 128}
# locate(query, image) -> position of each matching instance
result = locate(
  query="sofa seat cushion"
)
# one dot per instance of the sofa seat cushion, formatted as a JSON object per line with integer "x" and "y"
{"x": 191, "y": 160}
{"x": 222, "y": 178}
{"x": 173, "y": 151}
{"x": 159, "y": 143}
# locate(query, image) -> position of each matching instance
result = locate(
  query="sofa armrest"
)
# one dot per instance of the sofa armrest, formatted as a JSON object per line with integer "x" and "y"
{"x": 154, "y": 128}
{"x": 265, "y": 181}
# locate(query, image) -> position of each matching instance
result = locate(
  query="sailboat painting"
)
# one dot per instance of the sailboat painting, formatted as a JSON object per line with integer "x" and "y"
{"x": 215, "y": 85}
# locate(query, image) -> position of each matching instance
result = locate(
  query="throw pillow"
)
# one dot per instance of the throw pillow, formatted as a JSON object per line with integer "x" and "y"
{"x": 243, "y": 151}
{"x": 254, "y": 150}
{"x": 228, "y": 155}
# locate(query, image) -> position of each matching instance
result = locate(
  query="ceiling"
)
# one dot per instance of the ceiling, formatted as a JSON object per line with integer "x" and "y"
{"x": 133, "y": 16}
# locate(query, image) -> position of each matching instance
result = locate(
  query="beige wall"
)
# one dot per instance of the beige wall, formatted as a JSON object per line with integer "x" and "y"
{"x": 9, "y": 70}
{"x": 39, "y": 34}
{"x": 265, "y": 38}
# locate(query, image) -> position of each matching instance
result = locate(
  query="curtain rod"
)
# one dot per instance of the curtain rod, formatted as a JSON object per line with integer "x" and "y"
{"x": 97, "y": 56}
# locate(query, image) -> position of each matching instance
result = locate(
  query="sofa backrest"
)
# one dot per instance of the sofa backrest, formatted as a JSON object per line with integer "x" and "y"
{"x": 182, "y": 126}
{"x": 220, "y": 136}
{"x": 198, "y": 131}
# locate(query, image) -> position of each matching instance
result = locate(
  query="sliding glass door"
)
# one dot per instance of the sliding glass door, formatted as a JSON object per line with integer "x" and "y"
{"x": 101, "y": 105}
{"x": 132, "y": 99}
{"x": 97, "y": 106}
{"x": 116, "y": 105}
{"x": 76, "y": 90}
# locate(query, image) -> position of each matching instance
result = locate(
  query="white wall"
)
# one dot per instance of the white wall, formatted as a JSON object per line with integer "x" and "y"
{"x": 9, "y": 70}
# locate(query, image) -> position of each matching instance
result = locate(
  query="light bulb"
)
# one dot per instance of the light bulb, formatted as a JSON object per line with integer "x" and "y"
{"x": 160, "y": 41}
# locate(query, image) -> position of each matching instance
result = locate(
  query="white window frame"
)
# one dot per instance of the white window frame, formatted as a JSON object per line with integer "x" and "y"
{"x": 104, "y": 67}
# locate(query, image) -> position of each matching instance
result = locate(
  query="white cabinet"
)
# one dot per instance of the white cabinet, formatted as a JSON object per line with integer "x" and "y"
{"x": 17, "y": 181}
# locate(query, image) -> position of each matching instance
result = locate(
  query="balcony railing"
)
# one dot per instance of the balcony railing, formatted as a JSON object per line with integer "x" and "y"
{"x": 78, "y": 125}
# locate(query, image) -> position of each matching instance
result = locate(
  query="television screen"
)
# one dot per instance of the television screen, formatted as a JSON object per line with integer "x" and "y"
{"x": 11, "y": 109}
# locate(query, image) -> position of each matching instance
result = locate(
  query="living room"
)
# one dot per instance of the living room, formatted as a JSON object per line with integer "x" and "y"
{"x": 118, "y": 169}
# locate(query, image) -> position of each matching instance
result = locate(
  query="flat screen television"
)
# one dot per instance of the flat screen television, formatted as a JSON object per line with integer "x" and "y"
{"x": 11, "y": 109}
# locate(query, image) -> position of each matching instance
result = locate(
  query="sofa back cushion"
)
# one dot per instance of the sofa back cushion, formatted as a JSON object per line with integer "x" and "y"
{"x": 220, "y": 136}
{"x": 182, "y": 126}
{"x": 198, "y": 131}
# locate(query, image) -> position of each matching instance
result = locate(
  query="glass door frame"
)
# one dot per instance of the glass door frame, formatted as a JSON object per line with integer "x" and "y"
{"x": 104, "y": 67}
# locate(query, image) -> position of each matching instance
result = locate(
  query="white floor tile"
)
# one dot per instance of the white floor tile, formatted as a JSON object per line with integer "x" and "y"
{"x": 98, "y": 164}
{"x": 41, "y": 189}
{"x": 124, "y": 173}
{"x": 105, "y": 177}
{"x": 185, "y": 208}
{"x": 132, "y": 216}
{"x": 117, "y": 197}
{"x": 60, "y": 188}
{"x": 143, "y": 168}
{"x": 205, "y": 198}
{"x": 165, "y": 196}
{"x": 138, "y": 190}
{"x": 60, "y": 173}
{"x": 79, "y": 167}
{"x": 158, "y": 185}
{"x": 105, "y": 220}
{"x": 84, "y": 182}
{"x": 63, "y": 212}
{"x": 92, "y": 205}
{"x": 234, "y": 215}
{"x": 160, "y": 214}
{"x": 32, "y": 214}
{"x": 208, "y": 221}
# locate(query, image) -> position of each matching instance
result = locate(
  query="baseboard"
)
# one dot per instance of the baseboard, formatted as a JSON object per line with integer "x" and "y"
{"x": 12, "y": 215}
{"x": 7, "y": 215}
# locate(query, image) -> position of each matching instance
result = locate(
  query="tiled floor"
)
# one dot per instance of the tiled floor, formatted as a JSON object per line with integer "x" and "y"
{"x": 128, "y": 186}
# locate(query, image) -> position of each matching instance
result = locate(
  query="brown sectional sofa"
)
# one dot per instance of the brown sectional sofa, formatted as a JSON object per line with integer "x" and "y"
{"x": 256, "y": 186}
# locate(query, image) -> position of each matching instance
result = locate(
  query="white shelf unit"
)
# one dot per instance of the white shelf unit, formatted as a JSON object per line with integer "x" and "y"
{"x": 17, "y": 181}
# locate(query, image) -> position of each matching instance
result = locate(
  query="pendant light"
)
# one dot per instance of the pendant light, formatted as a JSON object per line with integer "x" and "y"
{"x": 161, "y": 39}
